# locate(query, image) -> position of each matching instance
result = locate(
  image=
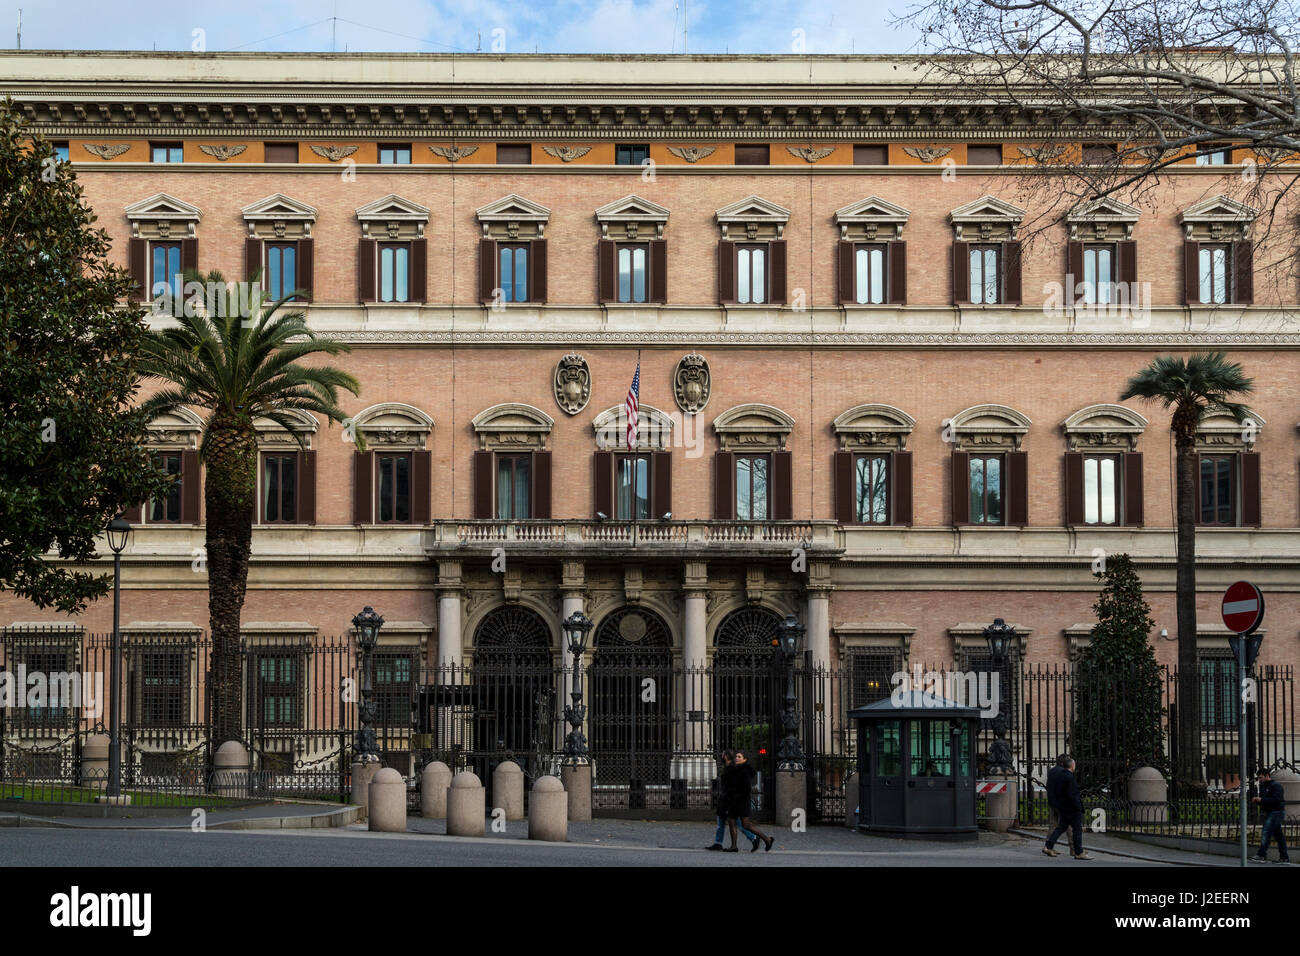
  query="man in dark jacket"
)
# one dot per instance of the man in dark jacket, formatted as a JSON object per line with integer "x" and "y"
{"x": 720, "y": 799}
{"x": 1063, "y": 797}
{"x": 1271, "y": 800}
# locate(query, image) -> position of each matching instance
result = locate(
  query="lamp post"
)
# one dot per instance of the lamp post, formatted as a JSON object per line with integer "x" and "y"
{"x": 998, "y": 636}
{"x": 367, "y": 624}
{"x": 1245, "y": 648}
{"x": 119, "y": 529}
{"x": 576, "y": 628}
{"x": 790, "y": 755}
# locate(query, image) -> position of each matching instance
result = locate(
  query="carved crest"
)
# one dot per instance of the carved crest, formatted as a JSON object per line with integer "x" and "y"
{"x": 691, "y": 383}
{"x": 927, "y": 154}
{"x": 334, "y": 153}
{"x": 692, "y": 154}
{"x": 106, "y": 150}
{"x": 453, "y": 154}
{"x": 810, "y": 154}
{"x": 222, "y": 151}
{"x": 566, "y": 154}
{"x": 572, "y": 383}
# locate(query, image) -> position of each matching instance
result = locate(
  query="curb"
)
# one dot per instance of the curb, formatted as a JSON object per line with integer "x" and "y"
{"x": 337, "y": 818}
{"x": 1029, "y": 834}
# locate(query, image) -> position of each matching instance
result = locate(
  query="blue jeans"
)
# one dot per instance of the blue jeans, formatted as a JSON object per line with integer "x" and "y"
{"x": 1273, "y": 828}
{"x": 722, "y": 827}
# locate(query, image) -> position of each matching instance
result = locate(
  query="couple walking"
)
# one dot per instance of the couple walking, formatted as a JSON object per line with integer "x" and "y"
{"x": 733, "y": 804}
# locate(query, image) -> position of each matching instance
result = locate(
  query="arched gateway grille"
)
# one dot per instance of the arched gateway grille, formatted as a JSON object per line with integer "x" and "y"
{"x": 513, "y": 698}
{"x": 746, "y": 690}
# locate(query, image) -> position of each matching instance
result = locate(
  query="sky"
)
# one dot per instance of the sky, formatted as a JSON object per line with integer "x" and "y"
{"x": 443, "y": 26}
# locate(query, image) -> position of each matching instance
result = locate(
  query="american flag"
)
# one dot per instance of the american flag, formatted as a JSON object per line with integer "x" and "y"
{"x": 633, "y": 406}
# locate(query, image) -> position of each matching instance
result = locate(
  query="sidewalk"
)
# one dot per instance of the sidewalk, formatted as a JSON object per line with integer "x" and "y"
{"x": 275, "y": 816}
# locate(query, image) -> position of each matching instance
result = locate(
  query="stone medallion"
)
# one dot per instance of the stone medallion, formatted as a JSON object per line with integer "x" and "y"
{"x": 632, "y": 628}
{"x": 572, "y": 383}
{"x": 691, "y": 383}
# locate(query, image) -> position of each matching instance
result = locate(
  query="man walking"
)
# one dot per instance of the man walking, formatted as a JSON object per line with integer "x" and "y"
{"x": 1063, "y": 797}
{"x": 720, "y": 804}
{"x": 1272, "y": 800}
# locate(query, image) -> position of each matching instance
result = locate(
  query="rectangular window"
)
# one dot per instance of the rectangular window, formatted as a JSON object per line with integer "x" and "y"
{"x": 167, "y": 509}
{"x": 280, "y": 152}
{"x": 981, "y": 662}
{"x": 166, "y": 152}
{"x": 869, "y": 274}
{"x": 633, "y": 264}
{"x": 1219, "y": 689}
{"x": 631, "y": 487}
{"x": 1219, "y": 156}
{"x": 751, "y": 274}
{"x": 1101, "y": 489}
{"x": 1218, "y": 490}
{"x": 60, "y": 151}
{"x": 871, "y": 155}
{"x": 514, "y": 154}
{"x": 165, "y": 269}
{"x": 279, "y": 488}
{"x": 281, "y": 276}
{"x": 275, "y": 694}
{"x": 984, "y": 154}
{"x": 889, "y": 749}
{"x": 752, "y": 473}
{"x": 628, "y": 154}
{"x": 163, "y": 687}
{"x": 986, "y": 489}
{"x": 56, "y": 710}
{"x": 394, "y": 506}
{"x": 752, "y": 154}
{"x": 931, "y": 748}
{"x": 871, "y": 489}
{"x": 514, "y": 487}
{"x": 1214, "y": 261}
{"x": 870, "y": 674}
{"x": 1099, "y": 154}
{"x": 514, "y": 272}
{"x": 394, "y": 684}
{"x": 394, "y": 155}
{"x": 1098, "y": 273}
{"x": 985, "y": 274}
{"x": 394, "y": 271}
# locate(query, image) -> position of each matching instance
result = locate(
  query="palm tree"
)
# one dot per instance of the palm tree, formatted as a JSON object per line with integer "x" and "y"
{"x": 237, "y": 370}
{"x": 1191, "y": 387}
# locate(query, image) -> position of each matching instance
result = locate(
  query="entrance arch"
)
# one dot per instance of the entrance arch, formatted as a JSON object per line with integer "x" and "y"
{"x": 513, "y": 701}
{"x": 746, "y": 681}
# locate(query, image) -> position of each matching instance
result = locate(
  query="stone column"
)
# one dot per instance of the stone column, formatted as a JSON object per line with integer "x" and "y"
{"x": 450, "y": 640}
{"x": 818, "y": 636}
{"x": 696, "y": 764}
{"x": 573, "y": 598}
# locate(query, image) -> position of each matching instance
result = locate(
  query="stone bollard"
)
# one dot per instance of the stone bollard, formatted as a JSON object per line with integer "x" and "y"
{"x": 1148, "y": 795}
{"x": 386, "y": 805}
{"x": 1001, "y": 809}
{"x": 434, "y": 782}
{"x": 548, "y": 811}
{"x": 465, "y": 805}
{"x": 363, "y": 772}
{"x": 508, "y": 789}
{"x": 94, "y": 761}
{"x": 791, "y": 795}
{"x": 576, "y": 779}
{"x": 851, "y": 798}
{"x": 1290, "y": 782}
{"x": 230, "y": 769}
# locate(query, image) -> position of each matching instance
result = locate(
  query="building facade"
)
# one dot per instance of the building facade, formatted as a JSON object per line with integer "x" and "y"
{"x": 864, "y": 399}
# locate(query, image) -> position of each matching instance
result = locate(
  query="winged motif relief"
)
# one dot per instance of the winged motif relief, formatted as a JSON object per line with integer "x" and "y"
{"x": 692, "y": 154}
{"x": 810, "y": 154}
{"x": 453, "y": 154}
{"x": 566, "y": 154}
{"x": 334, "y": 153}
{"x": 106, "y": 150}
{"x": 222, "y": 151}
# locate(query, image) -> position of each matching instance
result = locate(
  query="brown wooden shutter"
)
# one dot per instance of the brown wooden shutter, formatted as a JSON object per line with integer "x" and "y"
{"x": 960, "y": 487}
{"x": 419, "y": 291}
{"x": 1250, "y": 490}
{"x": 487, "y": 270}
{"x": 896, "y": 253}
{"x": 363, "y": 484}
{"x": 190, "y": 472}
{"x": 421, "y": 485}
{"x": 252, "y": 258}
{"x": 1073, "y": 488}
{"x": 901, "y": 487}
{"x": 724, "y": 491}
{"x": 726, "y": 271}
{"x": 960, "y": 273}
{"x": 1011, "y": 256}
{"x": 782, "y": 486}
{"x": 1073, "y": 271}
{"x": 1131, "y": 465}
{"x": 1128, "y": 266}
{"x": 847, "y": 286}
{"x": 134, "y": 515}
{"x": 537, "y": 271}
{"x": 1017, "y": 488}
{"x": 607, "y": 270}
{"x": 542, "y": 484}
{"x": 483, "y": 485}
{"x": 137, "y": 260}
{"x": 1243, "y": 265}
{"x": 659, "y": 270}
{"x": 776, "y": 272}
{"x": 306, "y": 487}
{"x": 189, "y": 254}
{"x": 602, "y": 483}
{"x": 307, "y": 267}
{"x": 367, "y": 252}
{"x": 661, "y": 498}
{"x": 1191, "y": 273}
{"x": 842, "y": 470}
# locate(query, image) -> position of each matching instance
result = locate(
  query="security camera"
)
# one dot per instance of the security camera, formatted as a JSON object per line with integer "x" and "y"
{"x": 668, "y": 515}
{"x": 602, "y": 516}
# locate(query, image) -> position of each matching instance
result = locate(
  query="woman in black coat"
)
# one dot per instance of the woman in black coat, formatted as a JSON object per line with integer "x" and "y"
{"x": 737, "y": 783}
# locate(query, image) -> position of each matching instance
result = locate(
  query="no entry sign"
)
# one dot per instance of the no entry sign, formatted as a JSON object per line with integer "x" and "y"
{"x": 1243, "y": 607}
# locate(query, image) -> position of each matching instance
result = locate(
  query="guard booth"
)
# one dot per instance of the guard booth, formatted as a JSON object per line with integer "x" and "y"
{"x": 916, "y": 767}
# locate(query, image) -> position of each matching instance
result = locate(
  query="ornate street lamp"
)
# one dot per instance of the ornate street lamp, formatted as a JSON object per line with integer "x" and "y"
{"x": 576, "y": 629}
{"x": 367, "y": 624}
{"x": 790, "y": 754}
{"x": 999, "y": 636}
{"x": 119, "y": 529}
